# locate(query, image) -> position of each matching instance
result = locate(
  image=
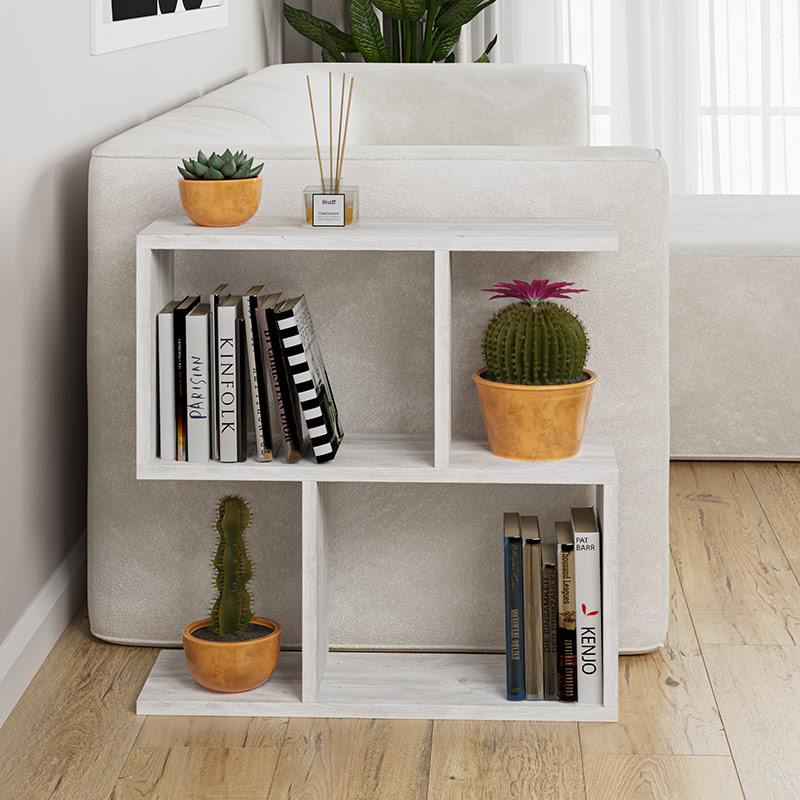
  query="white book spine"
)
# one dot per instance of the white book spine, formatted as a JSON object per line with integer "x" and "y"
{"x": 589, "y": 616}
{"x": 226, "y": 394}
{"x": 166, "y": 387}
{"x": 198, "y": 399}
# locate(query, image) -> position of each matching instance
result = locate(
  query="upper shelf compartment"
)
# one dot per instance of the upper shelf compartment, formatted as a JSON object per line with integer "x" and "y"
{"x": 455, "y": 235}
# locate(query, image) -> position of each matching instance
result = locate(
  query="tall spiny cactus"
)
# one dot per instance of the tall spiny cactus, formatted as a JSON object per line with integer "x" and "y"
{"x": 231, "y": 612}
{"x": 534, "y": 342}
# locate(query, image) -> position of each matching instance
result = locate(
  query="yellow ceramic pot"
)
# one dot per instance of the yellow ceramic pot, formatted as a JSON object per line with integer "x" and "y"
{"x": 232, "y": 666}
{"x": 220, "y": 204}
{"x": 535, "y": 423}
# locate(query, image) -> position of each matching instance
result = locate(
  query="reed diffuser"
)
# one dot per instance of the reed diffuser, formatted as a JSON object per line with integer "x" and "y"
{"x": 331, "y": 204}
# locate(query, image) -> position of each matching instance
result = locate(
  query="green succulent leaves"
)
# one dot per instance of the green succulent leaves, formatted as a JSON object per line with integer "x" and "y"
{"x": 433, "y": 24}
{"x": 228, "y": 166}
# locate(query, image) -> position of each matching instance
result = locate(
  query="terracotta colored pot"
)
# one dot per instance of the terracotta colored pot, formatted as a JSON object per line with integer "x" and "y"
{"x": 220, "y": 204}
{"x": 535, "y": 423}
{"x": 232, "y": 666}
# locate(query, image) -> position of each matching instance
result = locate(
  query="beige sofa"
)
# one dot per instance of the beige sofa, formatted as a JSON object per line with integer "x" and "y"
{"x": 411, "y": 566}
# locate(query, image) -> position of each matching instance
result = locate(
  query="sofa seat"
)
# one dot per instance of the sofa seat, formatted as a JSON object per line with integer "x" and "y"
{"x": 735, "y": 326}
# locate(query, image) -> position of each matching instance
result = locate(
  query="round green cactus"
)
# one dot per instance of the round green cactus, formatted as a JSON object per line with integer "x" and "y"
{"x": 534, "y": 342}
{"x": 231, "y": 612}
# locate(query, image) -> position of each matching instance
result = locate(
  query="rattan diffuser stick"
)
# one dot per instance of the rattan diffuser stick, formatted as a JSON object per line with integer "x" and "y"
{"x": 316, "y": 135}
{"x": 339, "y": 138}
{"x": 344, "y": 140}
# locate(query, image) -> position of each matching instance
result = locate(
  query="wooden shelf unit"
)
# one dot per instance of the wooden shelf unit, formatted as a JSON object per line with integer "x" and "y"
{"x": 319, "y": 682}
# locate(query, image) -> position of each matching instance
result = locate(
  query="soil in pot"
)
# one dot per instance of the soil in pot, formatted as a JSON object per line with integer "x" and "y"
{"x": 250, "y": 633}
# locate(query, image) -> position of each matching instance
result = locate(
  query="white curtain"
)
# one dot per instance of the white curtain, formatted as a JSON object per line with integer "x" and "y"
{"x": 714, "y": 84}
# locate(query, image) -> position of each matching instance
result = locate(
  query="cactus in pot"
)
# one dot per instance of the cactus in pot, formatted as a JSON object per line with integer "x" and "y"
{"x": 535, "y": 391}
{"x": 233, "y": 651}
{"x": 534, "y": 342}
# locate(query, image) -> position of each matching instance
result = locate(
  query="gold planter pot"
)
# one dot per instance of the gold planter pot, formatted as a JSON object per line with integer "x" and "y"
{"x": 535, "y": 423}
{"x": 232, "y": 666}
{"x": 220, "y": 204}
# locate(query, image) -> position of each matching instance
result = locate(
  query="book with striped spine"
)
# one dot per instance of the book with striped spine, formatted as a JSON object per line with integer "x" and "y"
{"x": 304, "y": 358}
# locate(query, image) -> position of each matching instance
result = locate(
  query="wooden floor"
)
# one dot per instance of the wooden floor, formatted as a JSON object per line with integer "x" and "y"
{"x": 715, "y": 714}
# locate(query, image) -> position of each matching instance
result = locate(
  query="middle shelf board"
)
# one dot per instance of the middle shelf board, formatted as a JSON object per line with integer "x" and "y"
{"x": 382, "y": 685}
{"x": 403, "y": 458}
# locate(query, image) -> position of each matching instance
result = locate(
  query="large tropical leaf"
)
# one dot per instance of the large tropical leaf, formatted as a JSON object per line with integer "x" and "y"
{"x": 320, "y": 31}
{"x": 444, "y": 42}
{"x": 410, "y": 10}
{"x": 367, "y": 31}
{"x": 484, "y": 59}
{"x": 456, "y": 13}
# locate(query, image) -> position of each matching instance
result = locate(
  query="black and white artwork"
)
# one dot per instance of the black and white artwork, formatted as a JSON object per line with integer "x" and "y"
{"x": 117, "y": 24}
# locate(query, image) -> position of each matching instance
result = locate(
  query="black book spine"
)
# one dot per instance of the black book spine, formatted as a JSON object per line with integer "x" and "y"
{"x": 567, "y": 632}
{"x": 515, "y": 664}
{"x": 550, "y": 630}
{"x": 241, "y": 379}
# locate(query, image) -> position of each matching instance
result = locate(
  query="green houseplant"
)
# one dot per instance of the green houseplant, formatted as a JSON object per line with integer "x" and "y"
{"x": 534, "y": 390}
{"x": 220, "y": 191}
{"x": 422, "y": 31}
{"x": 232, "y": 651}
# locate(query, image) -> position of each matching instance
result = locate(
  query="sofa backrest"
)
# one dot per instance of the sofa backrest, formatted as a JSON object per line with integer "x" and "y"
{"x": 417, "y": 104}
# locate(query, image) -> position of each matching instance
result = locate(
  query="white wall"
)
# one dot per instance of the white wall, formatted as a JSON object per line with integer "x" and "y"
{"x": 58, "y": 103}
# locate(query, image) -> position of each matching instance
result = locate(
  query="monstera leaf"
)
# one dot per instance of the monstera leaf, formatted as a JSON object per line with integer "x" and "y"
{"x": 456, "y": 13}
{"x": 366, "y": 31}
{"x": 333, "y": 41}
{"x": 409, "y": 10}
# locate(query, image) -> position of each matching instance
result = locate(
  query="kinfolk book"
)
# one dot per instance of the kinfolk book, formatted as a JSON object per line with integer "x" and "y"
{"x": 215, "y": 298}
{"x": 284, "y": 392}
{"x": 228, "y": 388}
{"x": 304, "y": 358}
{"x": 588, "y": 605}
{"x": 567, "y": 654}
{"x": 257, "y": 376}
{"x": 198, "y": 394}
{"x": 550, "y": 621}
{"x": 532, "y": 609}
{"x": 166, "y": 381}
{"x": 515, "y": 657}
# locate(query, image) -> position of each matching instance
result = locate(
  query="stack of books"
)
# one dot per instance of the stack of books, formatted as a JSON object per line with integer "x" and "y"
{"x": 219, "y": 365}
{"x": 554, "y": 618}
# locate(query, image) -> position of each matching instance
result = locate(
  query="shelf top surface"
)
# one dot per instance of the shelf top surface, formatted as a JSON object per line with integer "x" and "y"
{"x": 405, "y": 458}
{"x": 466, "y": 235}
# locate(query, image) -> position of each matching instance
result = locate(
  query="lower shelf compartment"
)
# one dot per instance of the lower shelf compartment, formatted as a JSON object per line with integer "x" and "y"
{"x": 368, "y": 685}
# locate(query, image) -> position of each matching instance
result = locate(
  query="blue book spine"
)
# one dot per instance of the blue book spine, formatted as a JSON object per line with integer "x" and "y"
{"x": 515, "y": 658}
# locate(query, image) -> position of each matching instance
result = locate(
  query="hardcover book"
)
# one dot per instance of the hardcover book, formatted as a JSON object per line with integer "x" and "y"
{"x": 532, "y": 610}
{"x": 198, "y": 394}
{"x": 284, "y": 392}
{"x": 515, "y": 657}
{"x": 217, "y": 296}
{"x": 304, "y": 357}
{"x": 588, "y": 605}
{"x": 550, "y": 621}
{"x": 228, "y": 385}
{"x": 179, "y": 335}
{"x": 257, "y": 376}
{"x": 567, "y": 642}
{"x": 165, "y": 333}
{"x": 241, "y": 383}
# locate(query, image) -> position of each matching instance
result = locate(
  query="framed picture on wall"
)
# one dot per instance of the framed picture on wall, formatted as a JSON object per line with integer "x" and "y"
{"x": 117, "y": 24}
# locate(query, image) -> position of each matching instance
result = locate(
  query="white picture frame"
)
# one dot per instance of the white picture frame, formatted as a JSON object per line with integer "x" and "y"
{"x": 109, "y": 35}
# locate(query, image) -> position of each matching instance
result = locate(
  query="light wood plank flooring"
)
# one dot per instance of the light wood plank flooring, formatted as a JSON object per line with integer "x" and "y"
{"x": 715, "y": 714}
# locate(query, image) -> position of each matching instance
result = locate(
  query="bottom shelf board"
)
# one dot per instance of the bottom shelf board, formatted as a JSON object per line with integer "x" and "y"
{"x": 366, "y": 685}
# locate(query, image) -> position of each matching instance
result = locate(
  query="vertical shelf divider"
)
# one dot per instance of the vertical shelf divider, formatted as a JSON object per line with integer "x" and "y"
{"x": 154, "y": 281}
{"x": 443, "y": 357}
{"x": 607, "y": 511}
{"x": 315, "y": 587}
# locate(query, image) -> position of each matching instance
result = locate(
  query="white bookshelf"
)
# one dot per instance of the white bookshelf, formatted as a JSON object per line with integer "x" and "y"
{"x": 318, "y": 682}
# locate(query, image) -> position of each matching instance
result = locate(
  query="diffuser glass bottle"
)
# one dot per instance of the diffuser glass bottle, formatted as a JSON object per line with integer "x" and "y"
{"x": 330, "y": 203}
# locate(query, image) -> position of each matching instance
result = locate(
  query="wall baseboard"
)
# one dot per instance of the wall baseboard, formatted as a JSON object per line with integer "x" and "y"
{"x": 37, "y": 630}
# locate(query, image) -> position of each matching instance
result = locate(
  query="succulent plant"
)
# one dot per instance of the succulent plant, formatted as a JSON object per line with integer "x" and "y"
{"x": 534, "y": 342}
{"x": 231, "y": 612}
{"x": 228, "y": 166}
